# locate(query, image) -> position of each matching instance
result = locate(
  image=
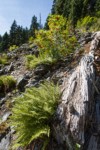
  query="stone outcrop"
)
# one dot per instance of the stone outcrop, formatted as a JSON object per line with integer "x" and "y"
{"x": 78, "y": 115}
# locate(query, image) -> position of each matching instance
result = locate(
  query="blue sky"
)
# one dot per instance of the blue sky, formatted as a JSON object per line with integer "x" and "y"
{"x": 22, "y": 11}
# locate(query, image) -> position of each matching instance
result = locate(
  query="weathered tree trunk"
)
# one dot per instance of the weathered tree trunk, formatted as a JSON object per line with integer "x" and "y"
{"x": 78, "y": 115}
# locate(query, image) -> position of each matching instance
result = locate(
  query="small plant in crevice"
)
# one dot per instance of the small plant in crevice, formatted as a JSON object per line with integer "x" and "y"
{"x": 7, "y": 83}
{"x": 33, "y": 112}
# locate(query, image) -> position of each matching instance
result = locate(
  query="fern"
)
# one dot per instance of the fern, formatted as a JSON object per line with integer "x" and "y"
{"x": 7, "y": 83}
{"x": 32, "y": 113}
{"x": 3, "y": 59}
{"x": 90, "y": 23}
{"x": 33, "y": 61}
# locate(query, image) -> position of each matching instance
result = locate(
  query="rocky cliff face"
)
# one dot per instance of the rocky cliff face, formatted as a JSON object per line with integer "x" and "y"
{"x": 78, "y": 115}
{"x": 77, "y": 120}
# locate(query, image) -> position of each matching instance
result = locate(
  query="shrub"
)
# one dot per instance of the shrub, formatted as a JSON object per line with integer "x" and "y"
{"x": 33, "y": 112}
{"x": 6, "y": 83}
{"x": 13, "y": 47}
{"x": 57, "y": 42}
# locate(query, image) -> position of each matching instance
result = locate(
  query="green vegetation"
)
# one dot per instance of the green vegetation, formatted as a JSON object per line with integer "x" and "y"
{"x": 33, "y": 61}
{"x": 77, "y": 146}
{"x": 31, "y": 40}
{"x": 75, "y": 9}
{"x": 18, "y": 35}
{"x": 54, "y": 44}
{"x": 13, "y": 47}
{"x": 34, "y": 26}
{"x": 3, "y": 59}
{"x": 88, "y": 23}
{"x": 33, "y": 112}
{"x": 6, "y": 83}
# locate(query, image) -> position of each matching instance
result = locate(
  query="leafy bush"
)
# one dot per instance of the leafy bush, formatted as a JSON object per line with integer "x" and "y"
{"x": 6, "y": 83}
{"x": 3, "y": 59}
{"x": 89, "y": 23}
{"x": 57, "y": 42}
{"x": 33, "y": 112}
{"x": 13, "y": 47}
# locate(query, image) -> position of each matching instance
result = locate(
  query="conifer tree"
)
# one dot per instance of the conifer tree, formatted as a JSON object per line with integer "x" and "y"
{"x": 13, "y": 33}
{"x": 97, "y": 6}
{"x": 75, "y": 9}
{"x": 34, "y": 26}
{"x": 0, "y": 42}
{"x": 53, "y": 7}
{"x": 5, "y": 42}
{"x": 46, "y": 27}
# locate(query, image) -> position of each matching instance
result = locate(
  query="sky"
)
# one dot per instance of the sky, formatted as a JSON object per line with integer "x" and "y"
{"x": 22, "y": 11}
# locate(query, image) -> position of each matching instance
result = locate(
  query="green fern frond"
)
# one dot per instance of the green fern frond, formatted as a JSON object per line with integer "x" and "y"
{"x": 33, "y": 112}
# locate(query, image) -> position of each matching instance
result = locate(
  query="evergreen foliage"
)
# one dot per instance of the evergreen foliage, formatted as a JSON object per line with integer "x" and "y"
{"x": 75, "y": 9}
{"x": 53, "y": 7}
{"x": 34, "y": 26}
{"x": 5, "y": 41}
{"x": 19, "y": 35}
{"x": 13, "y": 32}
{"x": 97, "y": 5}
{"x": 33, "y": 112}
{"x": 46, "y": 27}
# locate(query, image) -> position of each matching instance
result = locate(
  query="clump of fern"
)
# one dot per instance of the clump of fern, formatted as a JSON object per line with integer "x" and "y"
{"x": 7, "y": 83}
{"x": 88, "y": 23}
{"x": 32, "y": 61}
{"x": 3, "y": 59}
{"x": 33, "y": 112}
